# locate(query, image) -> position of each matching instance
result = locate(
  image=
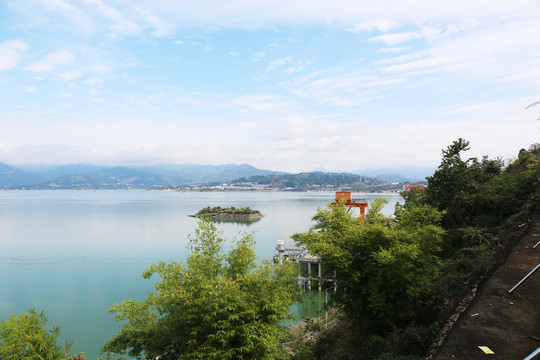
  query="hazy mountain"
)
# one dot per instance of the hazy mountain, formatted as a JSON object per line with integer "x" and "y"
{"x": 51, "y": 172}
{"x": 106, "y": 178}
{"x": 10, "y": 176}
{"x": 197, "y": 174}
{"x": 81, "y": 176}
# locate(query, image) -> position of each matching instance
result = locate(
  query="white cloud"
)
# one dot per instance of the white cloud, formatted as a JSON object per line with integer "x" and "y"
{"x": 369, "y": 102}
{"x": 273, "y": 65}
{"x": 404, "y": 58}
{"x": 262, "y": 103}
{"x": 337, "y": 87}
{"x": 31, "y": 89}
{"x": 258, "y": 56}
{"x": 391, "y": 50}
{"x": 245, "y": 13}
{"x": 104, "y": 68}
{"x": 76, "y": 17}
{"x": 52, "y": 60}
{"x": 161, "y": 29}
{"x": 120, "y": 23}
{"x": 11, "y": 54}
{"x": 69, "y": 75}
{"x": 298, "y": 67}
{"x": 65, "y": 94}
{"x": 500, "y": 51}
{"x": 430, "y": 33}
{"x": 370, "y": 25}
{"x": 397, "y": 38}
{"x": 93, "y": 81}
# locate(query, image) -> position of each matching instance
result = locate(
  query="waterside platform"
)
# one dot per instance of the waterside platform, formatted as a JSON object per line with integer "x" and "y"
{"x": 312, "y": 274}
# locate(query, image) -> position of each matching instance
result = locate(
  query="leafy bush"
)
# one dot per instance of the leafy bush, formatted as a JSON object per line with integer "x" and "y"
{"x": 215, "y": 306}
{"x": 26, "y": 337}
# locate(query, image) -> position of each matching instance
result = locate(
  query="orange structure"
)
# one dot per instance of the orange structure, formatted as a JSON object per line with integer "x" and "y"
{"x": 350, "y": 202}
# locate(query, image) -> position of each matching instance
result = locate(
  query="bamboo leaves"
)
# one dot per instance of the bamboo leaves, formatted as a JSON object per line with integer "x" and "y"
{"x": 215, "y": 306}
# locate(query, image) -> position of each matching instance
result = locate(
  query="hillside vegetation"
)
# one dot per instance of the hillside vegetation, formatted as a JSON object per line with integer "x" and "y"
{"x": 400, "y": 279}
{"x": 311, "y": 180}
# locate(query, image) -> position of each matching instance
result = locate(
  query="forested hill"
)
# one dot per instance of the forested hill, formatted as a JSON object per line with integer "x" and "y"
{"x": 311, "y": 179}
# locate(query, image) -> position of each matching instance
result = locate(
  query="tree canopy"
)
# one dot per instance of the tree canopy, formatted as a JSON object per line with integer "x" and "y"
{"x": 26, "y": 337}
{"x": 384, "y": 268}
{"x": 216, "y": 305}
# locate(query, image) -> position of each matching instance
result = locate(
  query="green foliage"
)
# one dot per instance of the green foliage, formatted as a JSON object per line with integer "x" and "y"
{"x": 399, "y": 279}
{"x": 26, "y": 337}
{"x": 384, "y": 269}
{"x": 450, "y": 180}
{"x": 483, "y": 192}
{"x": 215, "y": 306}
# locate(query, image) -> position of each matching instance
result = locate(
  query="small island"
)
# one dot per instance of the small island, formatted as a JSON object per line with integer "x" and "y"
{"x": 229, "y": 214}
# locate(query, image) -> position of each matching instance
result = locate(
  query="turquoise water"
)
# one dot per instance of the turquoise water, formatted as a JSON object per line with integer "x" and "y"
{"x": 74, "y": 253}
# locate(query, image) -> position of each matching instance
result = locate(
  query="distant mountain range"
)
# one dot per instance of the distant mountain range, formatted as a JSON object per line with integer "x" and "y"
{"x": 81, "y": 176}
{"x": 120, "y": 177}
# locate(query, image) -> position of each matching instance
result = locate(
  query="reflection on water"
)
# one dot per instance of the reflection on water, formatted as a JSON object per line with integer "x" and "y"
{"x": 312, "y": 305}
{"x": 240, "y": 222}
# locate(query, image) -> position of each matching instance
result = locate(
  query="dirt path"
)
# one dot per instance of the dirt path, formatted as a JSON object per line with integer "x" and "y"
{"x": 508, "y": 324}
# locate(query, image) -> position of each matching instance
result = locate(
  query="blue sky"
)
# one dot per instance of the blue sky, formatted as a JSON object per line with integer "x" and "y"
{"x": 282, "y": 85}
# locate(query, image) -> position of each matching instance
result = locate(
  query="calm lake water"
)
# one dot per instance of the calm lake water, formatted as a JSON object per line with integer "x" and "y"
{"x": 74, "y": 253}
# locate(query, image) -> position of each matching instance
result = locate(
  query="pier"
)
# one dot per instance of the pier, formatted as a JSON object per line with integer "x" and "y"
{"x": 312, "y": 274}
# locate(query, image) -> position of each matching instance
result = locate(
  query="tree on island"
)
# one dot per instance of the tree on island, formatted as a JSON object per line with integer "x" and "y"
{"x": 215, "y": 306}
{"x": 230, "y": 210}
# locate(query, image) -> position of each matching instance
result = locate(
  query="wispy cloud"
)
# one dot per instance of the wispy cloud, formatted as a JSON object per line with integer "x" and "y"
{"x": 65, "y": 94}
{"x": 392, "y": 50}
{"x": 119, "y": 23}
{"x": 340, "y": 88}
{"x": 51, "y": 61}
{"x": 262, "y": 103}
{"x": 324, "y": 84}
{"x": 69, "y": 75}
{"x": 381, "y": 25}
{"x": 499, "y": 51}
{"x": 11, "y": 54}
{"x": 273, "y": 65}
{"x": 93, "y": 81}
{"x": 397, "y": 38}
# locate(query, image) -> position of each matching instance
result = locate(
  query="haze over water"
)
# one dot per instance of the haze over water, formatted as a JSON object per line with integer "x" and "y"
{"x": 74, "y": 253}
